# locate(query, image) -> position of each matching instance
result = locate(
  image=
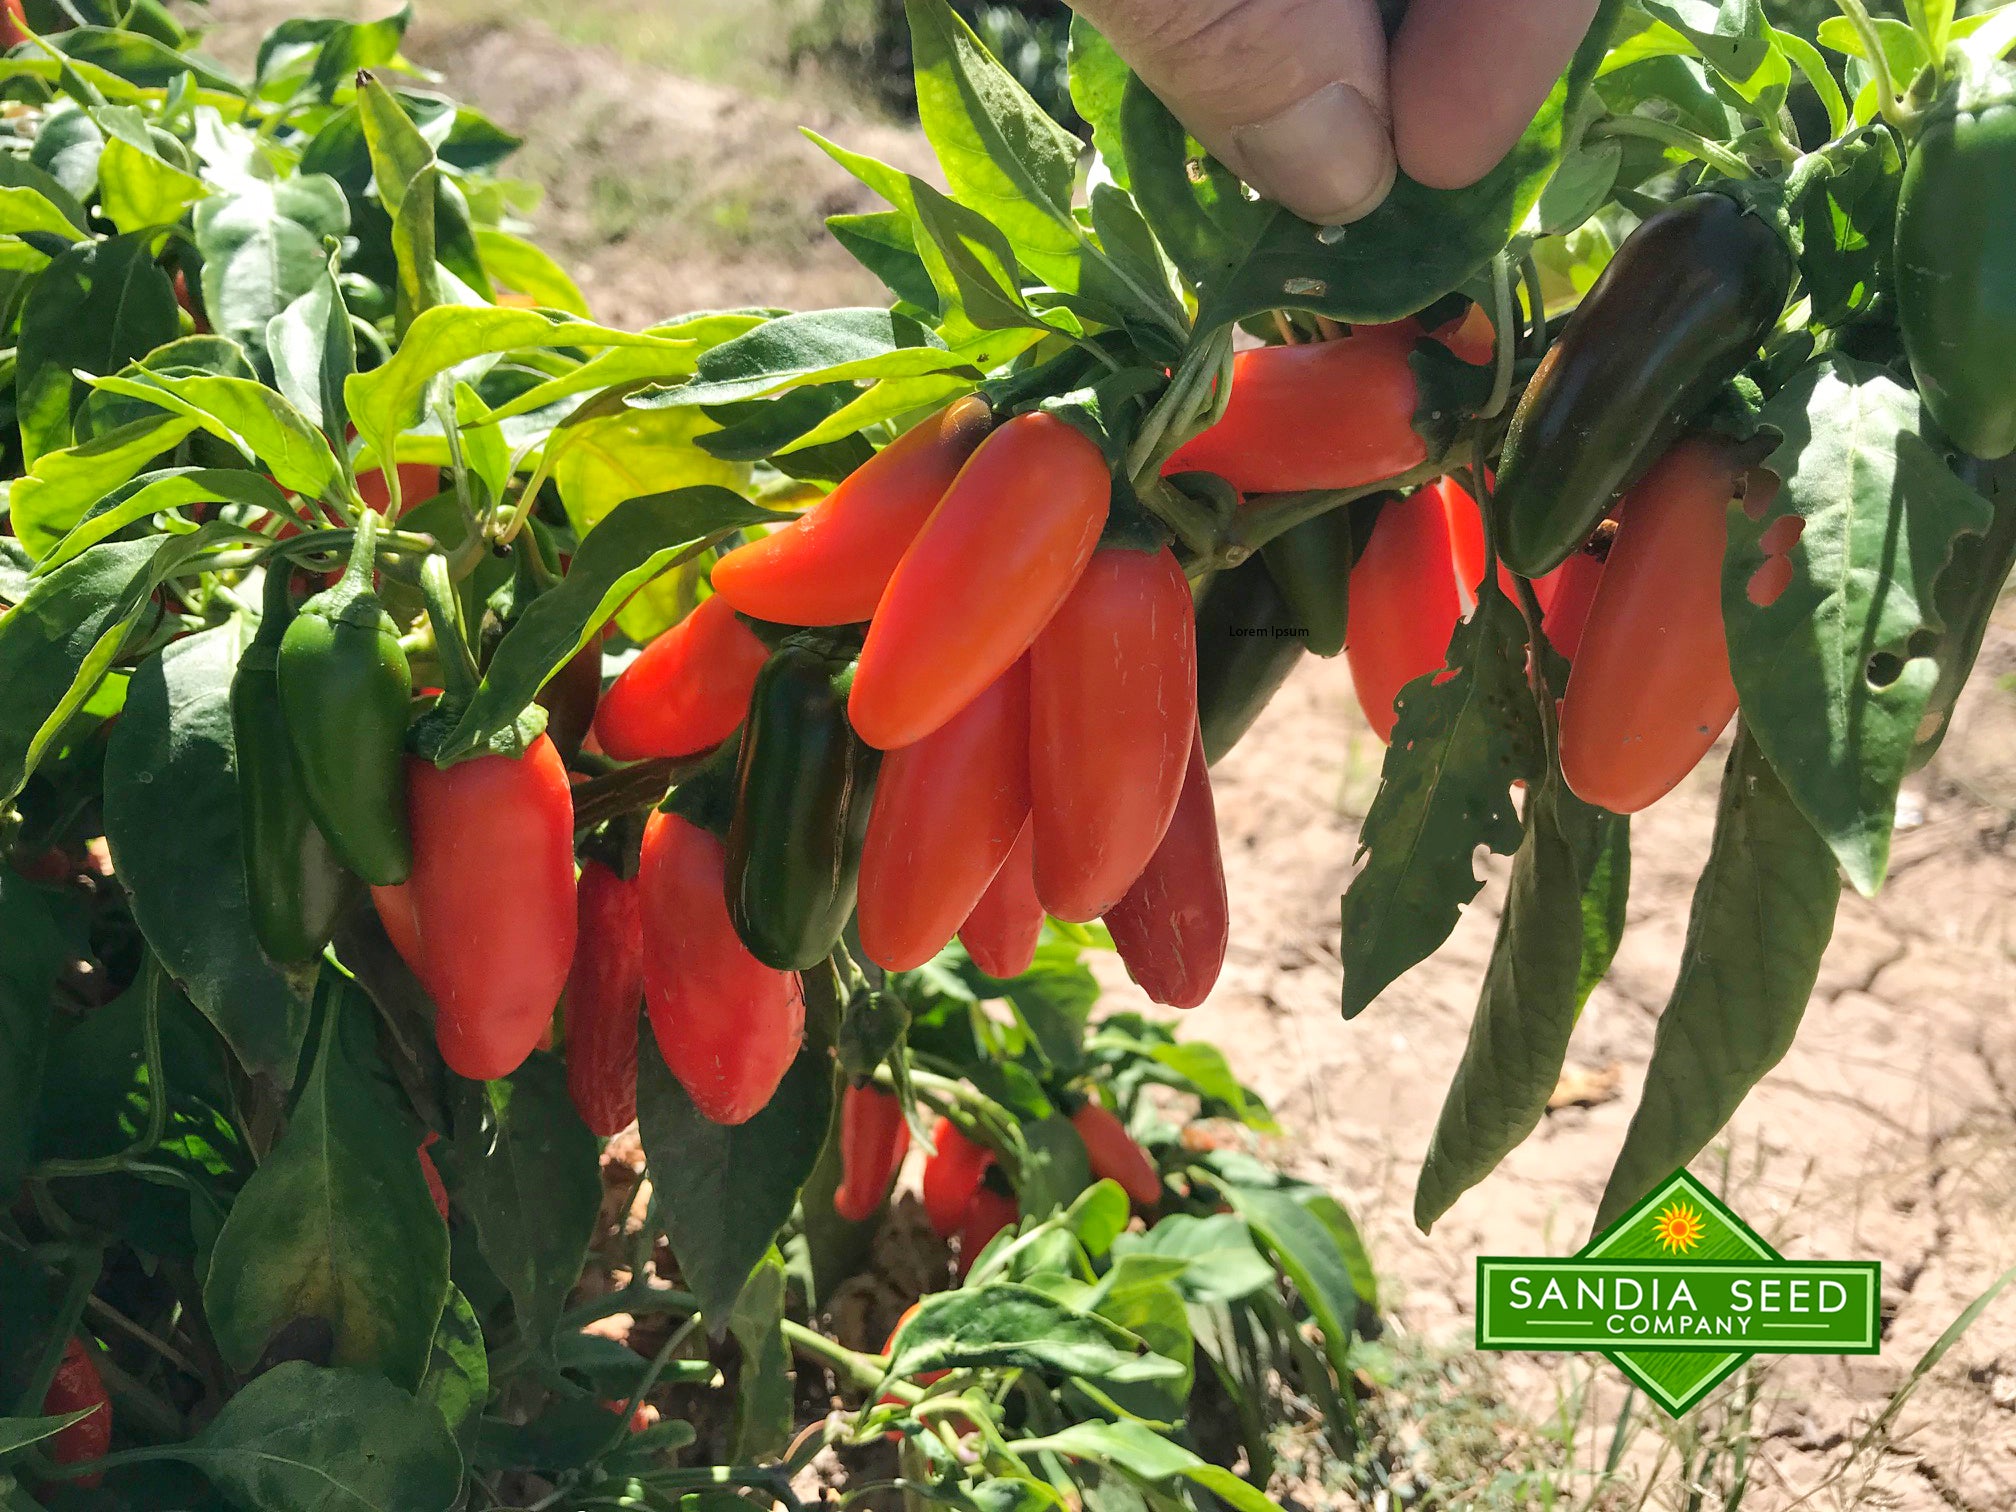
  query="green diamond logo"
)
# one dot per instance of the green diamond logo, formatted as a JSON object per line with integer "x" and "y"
{"x": 1678, "y": 1292}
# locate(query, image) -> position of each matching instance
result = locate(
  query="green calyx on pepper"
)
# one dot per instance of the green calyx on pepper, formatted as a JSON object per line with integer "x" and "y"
{"x": 804, "y": 785}
{"x": 297, "y": 888}
{"x": 345, "y": 691}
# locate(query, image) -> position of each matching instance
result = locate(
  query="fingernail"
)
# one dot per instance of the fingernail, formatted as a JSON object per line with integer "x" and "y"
{"x": 1328, "y": 157}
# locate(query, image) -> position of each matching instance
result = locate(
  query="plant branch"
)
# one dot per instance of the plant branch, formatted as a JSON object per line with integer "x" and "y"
{"x": 1876, "y": 56}
{"x": 1504, "y": 318}
{"x": 157, "y": 1094}
{"x": 451, "y": 642}
{"x": 1690, "y": 142}
{"x": 630, "y": 788}
{"x": 1265, "y": 516}
{"x": 862, "y": 1371}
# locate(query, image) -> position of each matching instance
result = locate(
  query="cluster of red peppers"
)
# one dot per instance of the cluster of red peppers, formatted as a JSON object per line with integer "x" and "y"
{"x": 1611, "y": 508}
{"x": 1012, "y": 734}
{"x": 968, "y": 696}
{"x": 963, "y": 691}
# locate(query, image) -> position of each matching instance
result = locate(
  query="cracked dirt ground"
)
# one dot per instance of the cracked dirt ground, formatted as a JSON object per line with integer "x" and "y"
{"x": 1888, "y": 1132}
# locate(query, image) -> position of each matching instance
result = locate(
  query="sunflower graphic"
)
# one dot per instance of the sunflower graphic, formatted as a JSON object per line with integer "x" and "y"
{"x": 1678, "y": 1227}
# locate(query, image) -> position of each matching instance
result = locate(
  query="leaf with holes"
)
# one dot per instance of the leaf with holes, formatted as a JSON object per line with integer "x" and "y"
{"x": 1463, "y": 736}
{"x": 1829, "y": 673}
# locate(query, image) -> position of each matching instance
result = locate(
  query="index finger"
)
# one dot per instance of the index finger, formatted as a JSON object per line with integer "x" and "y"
{"x": 1468, "y": 76}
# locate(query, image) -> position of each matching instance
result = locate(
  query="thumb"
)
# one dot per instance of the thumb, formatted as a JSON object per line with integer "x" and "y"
{"x": 1289, "y": 94}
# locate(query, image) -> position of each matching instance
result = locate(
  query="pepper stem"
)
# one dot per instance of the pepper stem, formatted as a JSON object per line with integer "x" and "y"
{"x": 451, "y": 642}
{"x": 359, "y": 573}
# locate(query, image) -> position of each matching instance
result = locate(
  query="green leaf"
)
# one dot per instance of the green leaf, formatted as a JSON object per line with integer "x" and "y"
{"x": 248, "y": 415}
{"x": 154, "y": 492}
{"x": 895, "y": 397}
{"x": 457, "y": 1382}
{"x": 325, "y": 54}
{"x": 96, "y": 1097}
{"x": 1804, "y": 56}
{"x": 262, "y": 249}
{"x": 133, "y": 56}
{"x": 1830, "y": 685}
{"x": 1097, "y": 1217}
{"x": 313, "y": 350}
{"x": 97, "y": 307}
{"x": 1098, "y": 85}
{"x": 172, "y": 821}
{"x": 1606, "y": 890}
{"x": 1307, "y": 1251}
{"x": 1054, "y": 998}
{"x": 1246, "y": 256}
{"x": 1735, "y": 40}
{"x": 1580, "y": 188}
{"x": 982, "y": 349}
{"x": 1221, "y": 1263}
{"x": 1054, "y": 1169}
{"x": 20, "y": 1432}
{"x": 569, "y": 1434}
{"x": 637, "y": 454}
{"x": 632, "y": 367}
{"x": 67, "y": 148}
{"x": 527, "y": 1172}
{"x": 1139, "y": 1294}
{"x": 20, "y": 214}
{"x": 1002, "y": 155}
{"x": 1462, "y": 736}
{"x": 518, "y": 264}
{"x": 1136, "y": 272}
{"x": 819, "y": 346}
{"x": 1762, "y": 916}
{"x": 138, "y": 191}
{"x": 1846, "y": 212}
{"x": 403, "y": 167}
{"x": 56, "y": 644}
{"x": 1013, "y": 1327}
{"x": 392, "y": 398}
{"x": 635, "y": 542}
{"x": 1530, "y": 1001}
{"x": 337, "y": 1225}
{"x": 1329, "y": 1212}
{"x": 24, "y": 210}
{"x": 1901, "y": 45}
{"x": 724, "y": 1192}
{"x": 882, "y": 242}
{"x": 64, "y": 485}
{"x": 185, "y": 356}
{"x": 33, "y": 951}
{"x": 1143, "y": 1455}
{"x": 333, "y": 1440}
{"x": 763, "y": 1400}
{"x": 1205, "y": 1069}
{"x": 980, "y": 260}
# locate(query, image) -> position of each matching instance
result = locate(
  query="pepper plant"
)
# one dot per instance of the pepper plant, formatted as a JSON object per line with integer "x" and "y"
{"x": 348, "y": 907}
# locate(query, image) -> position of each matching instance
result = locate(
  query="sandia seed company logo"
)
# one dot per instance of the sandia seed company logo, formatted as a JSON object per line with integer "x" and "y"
{"x": 1677, "y": 1293}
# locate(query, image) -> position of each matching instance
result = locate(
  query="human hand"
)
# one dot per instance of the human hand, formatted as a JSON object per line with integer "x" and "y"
{"x": 1305, "y": 100}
